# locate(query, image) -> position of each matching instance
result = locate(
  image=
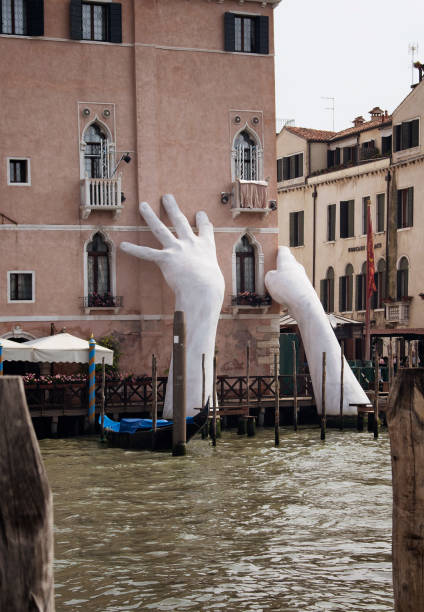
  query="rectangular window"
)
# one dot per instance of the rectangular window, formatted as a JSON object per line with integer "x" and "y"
{"x": 405, "y": 207}
{"x": 360, "y": 291}
{"x": 365, "y": 202}
{"x": 96, "y": 21}
{"x": 18, "y": 172}
{"x": 349, "y": 155}
{"x": 386, "y": 145}
{"x": 14, "y": 17}
{"x": 292, "y": 166}
{"x": 347, "y": 219}
{"x": 21, "y": 286}
{"x": 331, "y": 222}
{"x": 279, "y": 170}
{"x": 345, "y": 293}
{"x": 246, "y": 33}
{"x": 381, "y": 209}
{"x": 296, "y": 229}
{"x": 406, "y": 135}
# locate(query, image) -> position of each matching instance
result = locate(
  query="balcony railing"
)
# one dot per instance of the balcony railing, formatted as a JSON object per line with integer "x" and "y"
{"x": 397, "y": 312}
{"x": 251, "y": 300}
{"x": 369, "y": 153}
{"x": 101, "y": 194}
{"x": 97, "y": 300}
{"x": 249, "y": 197}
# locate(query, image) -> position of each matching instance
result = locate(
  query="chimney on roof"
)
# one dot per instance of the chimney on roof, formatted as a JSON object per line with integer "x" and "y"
{"x": 376, "y": 112}
{"x": 358, "y": 121}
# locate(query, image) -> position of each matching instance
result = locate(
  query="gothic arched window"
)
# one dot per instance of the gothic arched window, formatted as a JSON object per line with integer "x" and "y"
{"x": 402, "y": 278}
{"x": 245, "y": 266}
{"x": 246, "y": 157}
{"x": 98, "y": 270}
{"x": 96, "y": 156}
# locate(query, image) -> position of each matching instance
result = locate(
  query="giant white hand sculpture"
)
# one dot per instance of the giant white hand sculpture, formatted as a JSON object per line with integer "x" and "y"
{"x": 190, "y": 267}
{"x": 289, "y": 285}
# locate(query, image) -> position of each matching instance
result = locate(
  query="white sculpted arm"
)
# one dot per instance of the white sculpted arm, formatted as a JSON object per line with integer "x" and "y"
{"x": 190, "y": 267}
{"x": 289, "y": 285}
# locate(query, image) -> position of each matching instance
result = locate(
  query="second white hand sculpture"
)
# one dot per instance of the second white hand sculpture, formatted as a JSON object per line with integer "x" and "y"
{"x": 289, "y": 285}
{"x": 190, "y": 267}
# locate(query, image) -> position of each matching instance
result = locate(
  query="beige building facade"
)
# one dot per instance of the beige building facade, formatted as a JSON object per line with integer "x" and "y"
{"x": 109, "y": 104}
{"x": 325, "y": 182}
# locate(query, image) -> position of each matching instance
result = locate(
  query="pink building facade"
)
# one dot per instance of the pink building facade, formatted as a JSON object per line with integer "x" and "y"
{"x": 110, "y": 104}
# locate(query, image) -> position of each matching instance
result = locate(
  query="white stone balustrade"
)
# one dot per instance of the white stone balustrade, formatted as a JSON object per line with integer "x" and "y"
{"x": 101, "y": 194}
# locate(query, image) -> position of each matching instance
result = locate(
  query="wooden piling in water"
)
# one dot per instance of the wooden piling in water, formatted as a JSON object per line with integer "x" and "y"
{"x": 323, "y": 408}
{"x": 376, "y": 390}
{"x": 26, "y": 509}
{"x": 102, "y": 404}
{"x": 294, "y": 385}
{"x": 205, "y": 429}
{"x": 391, "y": 372}
{"x": 248, "y": 377}
{"x": 405, "y": 420}
{"x": 154, "y": 400}
{"x": 179, "y": 434}
{"x": 277, "y": 401}
{"x": 341, "y": 383}
{"x": 214, "y": 403}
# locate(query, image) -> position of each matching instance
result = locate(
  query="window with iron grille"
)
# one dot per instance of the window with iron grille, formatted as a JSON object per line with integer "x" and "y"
{"x": 246, "y": 33}
{"x": 96, "y": 155}
{"x": 18, "y": 172}
{"x": 347, "y": 218}
{"x": 381, "y": 212}
{"x": 406, "y": 135}
{"x": 405, "y": 207}
{"x": 22, "y": 17}
{"x": 20, "y": 286}
{"x": 292, "y": 166}
{"x": 246, "y": 157}
{"x": 296, "y": 228}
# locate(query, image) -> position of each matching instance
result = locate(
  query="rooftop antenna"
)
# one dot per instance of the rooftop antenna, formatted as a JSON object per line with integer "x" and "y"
{"x": 330, "y": 107}
{"x": 282, "y": 123}
{"x": 412, "y": 49}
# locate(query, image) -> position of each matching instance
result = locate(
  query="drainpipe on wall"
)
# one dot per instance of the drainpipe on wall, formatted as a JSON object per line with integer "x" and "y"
{"x": 314, "y": 231}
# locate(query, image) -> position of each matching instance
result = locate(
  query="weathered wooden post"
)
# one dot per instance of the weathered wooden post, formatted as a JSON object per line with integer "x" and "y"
{"x": 277, "y": 401}
{"x": 179, "y": 435}
{"x": 376, "y": 391}
{"x": 294, "y": 385}
{"x": 154, "y": 400}
{"x": 341, "y": 383}
{"x": 102, "y": 407}
{"x": 323, "y": 408}
{"x": 248, "y": 378}
{"x": 26, "y": 509}
{"x": 214, "y": 403}
{"x": 405, "y": 420}
{"x": 391, "y": 373}
{"x": 91, "y": 383}
{"x": 1, "y": 359}
{"x": 205, "y": 429}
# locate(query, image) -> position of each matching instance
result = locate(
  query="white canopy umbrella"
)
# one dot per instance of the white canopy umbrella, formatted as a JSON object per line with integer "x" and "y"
{"x": 15, "y": 351}
{"x": 66, "y": 348}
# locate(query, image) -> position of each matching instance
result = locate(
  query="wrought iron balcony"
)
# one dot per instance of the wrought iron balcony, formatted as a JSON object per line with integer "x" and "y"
{"x": 253, "y": 300}
{"x": 105, "y": 300}
{"x": 397, "y": 312}
{"x": 101, "y": 194}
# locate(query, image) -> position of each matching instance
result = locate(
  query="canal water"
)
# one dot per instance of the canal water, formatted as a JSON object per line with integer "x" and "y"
{"x": 243, "y": 526}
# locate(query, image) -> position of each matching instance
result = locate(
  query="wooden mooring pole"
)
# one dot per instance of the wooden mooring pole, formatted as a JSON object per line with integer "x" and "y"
{"x": 154, "y": 400}
{"x": 277, "y": 401}
{"x": 102, "y": 406}
{"x": 323, "y": 408}
{"x": 248, "y": 378}
{"x": 376, "y": 390}
{"x": 405, "y": 420}
{"x": 26, "y": 509}
{"x": 179, "y": 434}
{"x": 341, "y": 383}
{"x": 214, "y": 403}
{"x": 294, "y": 385}
{"x": 205, "y": 429}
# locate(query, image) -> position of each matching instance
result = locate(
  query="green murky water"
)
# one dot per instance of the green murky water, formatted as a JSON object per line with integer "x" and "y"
{"x": 244, "y": 526}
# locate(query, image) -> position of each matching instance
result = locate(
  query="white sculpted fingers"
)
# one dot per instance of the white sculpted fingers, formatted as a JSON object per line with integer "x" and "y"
{"x": 142, "y": 252}
{"x": 159, "y": 230}
{"x": 204, "y": 226}
{"x": 285, "y": 258}
{"x": 178, "y": 220}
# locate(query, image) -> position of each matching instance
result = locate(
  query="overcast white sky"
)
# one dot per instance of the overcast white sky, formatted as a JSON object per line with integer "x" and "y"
{"x": 356, "y": 52}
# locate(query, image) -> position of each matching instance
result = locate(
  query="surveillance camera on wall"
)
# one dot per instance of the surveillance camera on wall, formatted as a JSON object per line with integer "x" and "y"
{"x": 273, "y": 204}
{"x": 224, "y": 197}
